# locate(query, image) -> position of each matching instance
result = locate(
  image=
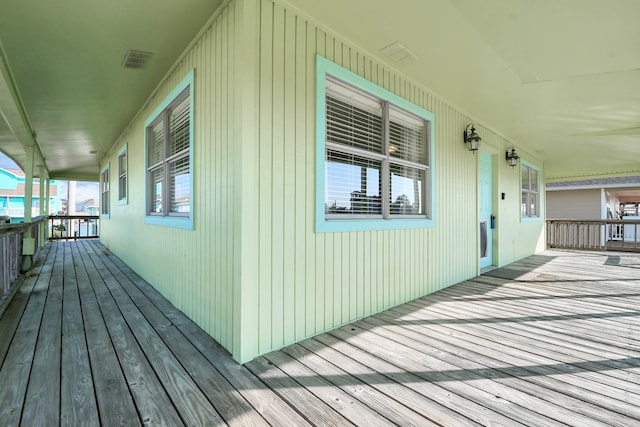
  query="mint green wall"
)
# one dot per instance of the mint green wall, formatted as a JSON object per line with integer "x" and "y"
{"x": 253, "y": 273}
{"x": 193, "y": 269}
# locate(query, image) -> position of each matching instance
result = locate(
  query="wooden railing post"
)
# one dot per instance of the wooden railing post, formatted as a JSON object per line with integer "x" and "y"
{"x": 63, "y": 227}
{"x": 597, "y": 234}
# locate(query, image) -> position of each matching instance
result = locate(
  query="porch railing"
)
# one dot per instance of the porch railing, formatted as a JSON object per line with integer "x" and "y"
{"x": 619, "y": 235}
{"x": 11, "y": 249}
{"x": 72, "y": 227}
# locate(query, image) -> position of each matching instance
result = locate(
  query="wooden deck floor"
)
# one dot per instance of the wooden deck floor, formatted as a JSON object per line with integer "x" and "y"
{"x": 550, "y": 340}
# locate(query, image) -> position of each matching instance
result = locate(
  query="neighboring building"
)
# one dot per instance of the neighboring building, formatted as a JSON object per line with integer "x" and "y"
{"x": 87, "y": 207}
{"x": 282, "y": 182}
{"x": 603, "y": 198}
{"x": 12, "y": 195}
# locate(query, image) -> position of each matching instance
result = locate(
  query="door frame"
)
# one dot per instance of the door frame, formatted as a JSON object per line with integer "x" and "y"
{"x": 494, "y": 207}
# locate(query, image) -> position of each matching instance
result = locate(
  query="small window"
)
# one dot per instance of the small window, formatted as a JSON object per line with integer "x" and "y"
{"x": 377, "y": 169}
{"x": 169, "y": 159}
{"x": 104, "y": 191}
{"x": 530, "y": 192}
{"x": 122, "y": 176}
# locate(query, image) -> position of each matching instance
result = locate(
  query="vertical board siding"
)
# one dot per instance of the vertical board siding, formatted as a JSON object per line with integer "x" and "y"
{"x": 301, "y": 282}
{"x": 193, "y": 269}
{"x": 317, "y": 281}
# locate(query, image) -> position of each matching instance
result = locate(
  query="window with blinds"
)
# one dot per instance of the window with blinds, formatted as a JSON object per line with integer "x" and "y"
{"x": 168, "y": 160}
{"x": 122, "y": 175}
{"x": 530, "y": 193}
{"x": 377, "y": 161}
{"x": 104, "y": 191}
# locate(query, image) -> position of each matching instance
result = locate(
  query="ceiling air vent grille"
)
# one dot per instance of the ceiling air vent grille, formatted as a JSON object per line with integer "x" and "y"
{"x": 136, "y": 59}
{"x": 399, "y": 53}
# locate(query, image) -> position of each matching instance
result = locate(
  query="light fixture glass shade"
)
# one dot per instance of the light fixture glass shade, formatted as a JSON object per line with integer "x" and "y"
{"x": 512, "y": 157}
{"x": 471, "y": 139}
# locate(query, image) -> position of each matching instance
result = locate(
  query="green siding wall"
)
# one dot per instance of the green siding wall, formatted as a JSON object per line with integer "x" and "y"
{"x": 193, "y": 269}
{"x": 253, "y": 273}
{"x": 310, "y": 282}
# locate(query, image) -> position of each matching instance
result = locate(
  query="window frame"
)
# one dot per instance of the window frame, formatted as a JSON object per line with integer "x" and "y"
{"x": 325, "y": 68}
{"x": 105, "y": 210}
{"x": 524, "y": 165}
{"x": 123, "y": 177}
{"x": 166, "y": 219}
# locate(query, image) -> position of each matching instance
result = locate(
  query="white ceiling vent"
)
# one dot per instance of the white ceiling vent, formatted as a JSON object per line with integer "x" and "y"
{"x": 136, "y": 59}
{"x": 399, "y": 53}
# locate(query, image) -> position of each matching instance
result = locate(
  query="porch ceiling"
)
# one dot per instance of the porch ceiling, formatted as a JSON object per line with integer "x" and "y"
{"x": 65, "y": 60}
{"x": 561, "y": 79}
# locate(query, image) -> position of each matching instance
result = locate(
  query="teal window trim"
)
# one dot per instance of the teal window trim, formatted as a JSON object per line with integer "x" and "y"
{"x": 123, "y": 200}
{"x": 104, "y": 198}
{"x": 325, "y": 67}
{"x": 184, "y": 222}
{"x": 524, "y": 163}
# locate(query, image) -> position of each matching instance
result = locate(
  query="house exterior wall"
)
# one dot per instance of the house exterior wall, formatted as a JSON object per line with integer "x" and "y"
{"x": 575, "y": 204}
{"x": 254, "y": 273}
{"x": 194, "y": 269}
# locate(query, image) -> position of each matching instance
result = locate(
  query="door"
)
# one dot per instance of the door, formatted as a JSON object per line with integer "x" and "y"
{"x": 485, "y": 202}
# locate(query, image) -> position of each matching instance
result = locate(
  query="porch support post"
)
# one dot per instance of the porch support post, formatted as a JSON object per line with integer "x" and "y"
{"x": 28, "y": 242}
{"x": 48, "y": 197}
{"x": 44, "y": 203}
{"x": 28, "y": 185}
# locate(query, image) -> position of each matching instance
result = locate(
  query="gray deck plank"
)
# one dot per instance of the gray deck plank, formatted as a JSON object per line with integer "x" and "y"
{"x": 316, "y": 410}
{"x": 505, "y": 365}
{"x": 500, "y": 400}
{"x": 233, "y": 408}
{"x": 189, "y": 401}
{"x": 42, "y": 402}
{"x": 388, "y": 408}
{"x": 112, "y": 393}
{"x": 16, "y": 368}
{"x": 555, "y": 343}
{"x": 12, "y": 312}
{"x": 152, "y": 403}
{"x": 78, "y": 405}
{"x": 487, "y": 362}
{"x": 251, "y": 389}
{"x": 464, "y": 410}
{"x": 390, "y": 385}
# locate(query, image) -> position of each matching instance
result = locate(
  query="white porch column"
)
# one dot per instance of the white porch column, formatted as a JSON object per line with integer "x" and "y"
{"x": 43, "y": 179}
{"x": 28, "y": 242}
{"x": 28, "y": 185}
{"x": 44, "y": 204}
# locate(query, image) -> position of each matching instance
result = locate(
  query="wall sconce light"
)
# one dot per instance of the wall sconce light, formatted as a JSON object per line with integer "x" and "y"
{"x": 512, "y": 157}
{"x": 471, "y": 139}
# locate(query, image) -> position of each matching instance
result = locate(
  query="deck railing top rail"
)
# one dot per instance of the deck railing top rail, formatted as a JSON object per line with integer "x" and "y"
{"x": 595, "y": 234}
{"x": 19, "y": 227}
{"x": 74, "y": 227}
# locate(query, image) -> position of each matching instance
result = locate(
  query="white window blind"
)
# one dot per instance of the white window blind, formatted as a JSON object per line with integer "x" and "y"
{"x": 377, "y": 162}
{"x": 104, "y": 192}
{"x": 122, "y": 176}
{"x": 168, "y": 160}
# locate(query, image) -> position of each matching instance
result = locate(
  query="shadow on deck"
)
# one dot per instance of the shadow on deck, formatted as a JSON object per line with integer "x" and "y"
{"x": 550, "y": 340}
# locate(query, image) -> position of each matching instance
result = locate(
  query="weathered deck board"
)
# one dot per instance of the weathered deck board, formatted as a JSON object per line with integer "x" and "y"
{"x": 78, "y": 401}
{"x": 550, "y": 340}
{"x": 42, "y": 401}
{"x": 18, "y": 360}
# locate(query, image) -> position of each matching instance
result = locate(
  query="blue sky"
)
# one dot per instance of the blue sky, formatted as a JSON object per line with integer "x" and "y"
{"x": 6, "y": 162}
